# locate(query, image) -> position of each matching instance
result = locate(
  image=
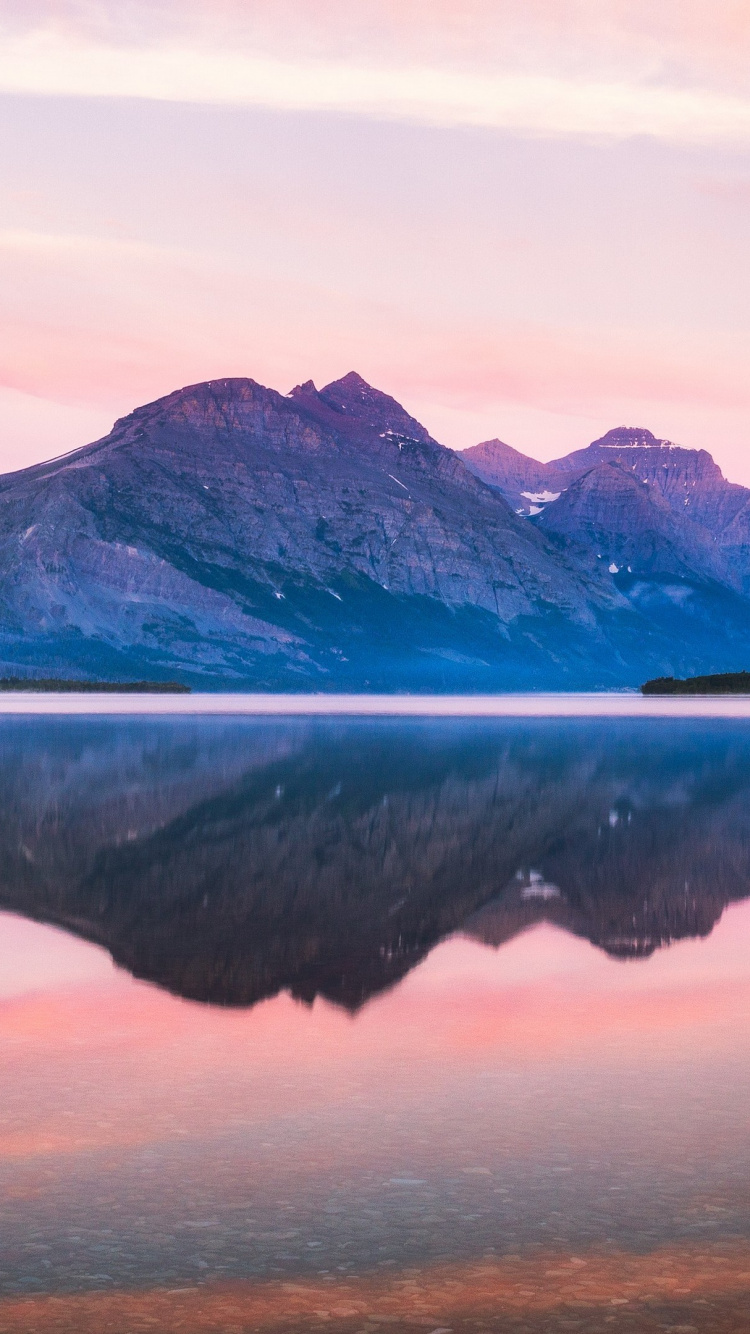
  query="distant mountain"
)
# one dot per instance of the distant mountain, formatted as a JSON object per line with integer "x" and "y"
{"x": 631, "y": 527}
{"x": 672, "y": 532}
{"x": 524, "y": 482}
{"x": 228, "y": 860}
{"x": 688, "y": 481}
{"x": 229, "y": 536}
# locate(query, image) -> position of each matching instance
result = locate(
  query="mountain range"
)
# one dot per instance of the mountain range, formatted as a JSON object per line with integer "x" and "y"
{"x": 229, "y": 536}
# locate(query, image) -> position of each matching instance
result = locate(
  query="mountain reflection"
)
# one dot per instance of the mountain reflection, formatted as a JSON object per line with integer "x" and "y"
{"x": 227, "y": 860}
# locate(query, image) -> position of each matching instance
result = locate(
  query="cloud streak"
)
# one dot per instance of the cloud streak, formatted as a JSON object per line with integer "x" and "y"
{"x": 577, "y": 263}
{"x": 48, "y": 62}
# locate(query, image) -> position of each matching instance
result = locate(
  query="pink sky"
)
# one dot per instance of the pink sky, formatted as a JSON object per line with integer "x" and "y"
{"x": 523, "y": 219}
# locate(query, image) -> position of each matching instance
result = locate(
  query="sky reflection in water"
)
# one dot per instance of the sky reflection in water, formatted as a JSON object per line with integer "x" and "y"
{"x": 498, "y": 1053}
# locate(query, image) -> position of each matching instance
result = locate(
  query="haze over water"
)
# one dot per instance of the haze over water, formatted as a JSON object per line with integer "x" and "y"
{"x": 427, "y": 1023}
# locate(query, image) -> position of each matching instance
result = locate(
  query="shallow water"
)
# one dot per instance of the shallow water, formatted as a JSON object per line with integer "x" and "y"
{"x": 427, "y": 1023}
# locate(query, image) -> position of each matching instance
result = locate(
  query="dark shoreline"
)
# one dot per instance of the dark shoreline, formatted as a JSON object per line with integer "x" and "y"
{"x": 95, "y": 687}
{"x": 724, "y": 683}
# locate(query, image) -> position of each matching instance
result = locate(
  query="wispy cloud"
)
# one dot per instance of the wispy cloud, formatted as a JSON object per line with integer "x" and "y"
{"x": 49, "y": 61}
{"x": 583, "y": 267}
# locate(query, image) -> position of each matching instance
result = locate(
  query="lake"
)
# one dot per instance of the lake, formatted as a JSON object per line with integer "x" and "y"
{"x": 389, "y": 1023}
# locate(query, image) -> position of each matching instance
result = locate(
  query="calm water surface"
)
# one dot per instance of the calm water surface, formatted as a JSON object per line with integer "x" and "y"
{"x": 429, "y": 1023}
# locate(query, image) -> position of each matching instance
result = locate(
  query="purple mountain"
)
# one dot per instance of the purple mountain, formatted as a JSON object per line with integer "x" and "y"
{"x": 645, "y": 505}
{"x": 235, "y": 537}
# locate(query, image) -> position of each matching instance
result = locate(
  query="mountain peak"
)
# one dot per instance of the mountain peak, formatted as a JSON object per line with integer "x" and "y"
{"x": 358, "y": 401}
{"x": 323, "y": 540}
{"x": 354, "y": 395}
{"x": 628, "y": 437}
{"x": 491, "y": 447}
{"x": 352, "y": 382}
{"x": 508, "y": 470}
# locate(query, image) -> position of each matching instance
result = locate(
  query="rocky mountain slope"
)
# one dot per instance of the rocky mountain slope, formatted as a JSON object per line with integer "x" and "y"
{"x": 230, "y": 536}
{"x": 671, "y": 531}
{"x": 710, "y": 516}
{"x": 631, "y": 527}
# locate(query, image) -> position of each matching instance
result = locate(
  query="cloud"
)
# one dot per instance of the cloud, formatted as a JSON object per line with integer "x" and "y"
{"x": 50, "y": 60}
{"x": 696, "y": 41}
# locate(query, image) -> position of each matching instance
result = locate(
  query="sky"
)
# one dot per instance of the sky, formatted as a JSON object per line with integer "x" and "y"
{"x": 526, "y": 219}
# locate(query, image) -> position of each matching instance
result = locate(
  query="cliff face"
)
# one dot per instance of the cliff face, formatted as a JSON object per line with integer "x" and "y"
{"x": 673, "y": 533}
{"x": 226, "y": 861}
{"x": 710, "y": 516}
{"x": 688, "y": 479}
{"x": 229, "y": 533}
{"x": 234, "y": 537}
{"x": 692, "y": 485}
{"x": 629, "y": 525}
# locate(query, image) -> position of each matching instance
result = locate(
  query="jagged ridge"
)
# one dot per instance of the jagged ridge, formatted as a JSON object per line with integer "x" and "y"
{"x": 231, "y": 536}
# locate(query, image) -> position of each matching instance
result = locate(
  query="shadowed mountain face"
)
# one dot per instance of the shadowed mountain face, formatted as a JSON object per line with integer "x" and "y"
{"x": 673, "y": 534}
{"x": 694, "y": 508}
{"x": 228, "y": 861}
{"x": 232, "y": 537}
{"x": 687, "y": 479}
